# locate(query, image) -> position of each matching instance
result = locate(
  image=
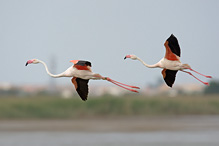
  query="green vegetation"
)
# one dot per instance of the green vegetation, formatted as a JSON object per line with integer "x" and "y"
{"x": 107, "y": 106}
{"x": 213, "y": 89}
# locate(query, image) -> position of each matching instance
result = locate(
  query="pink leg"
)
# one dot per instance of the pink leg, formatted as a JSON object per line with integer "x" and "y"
{"x": 124, "y": 87}
{"x": 200, "y": 73}
{"x": 117, "y": 83}
{"x": 196, "y": 77}
{"x": 123, "y": 84}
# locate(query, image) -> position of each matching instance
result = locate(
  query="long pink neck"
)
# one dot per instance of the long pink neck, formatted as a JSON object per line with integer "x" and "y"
{"x": 147, "y": 65}
{"x": 52, "y": 75}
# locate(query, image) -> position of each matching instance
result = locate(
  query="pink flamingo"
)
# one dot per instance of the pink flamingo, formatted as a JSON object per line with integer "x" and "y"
{"x": 81, "y": 73}
{"x": 171, "y": 62}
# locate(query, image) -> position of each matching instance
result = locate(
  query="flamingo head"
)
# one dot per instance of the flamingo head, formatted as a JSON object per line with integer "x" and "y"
{"x": 33, "y": 61}
{"x": 133, "y": 57}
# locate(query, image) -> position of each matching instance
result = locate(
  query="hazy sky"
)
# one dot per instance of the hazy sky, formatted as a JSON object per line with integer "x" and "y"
{"x": 103, "y": 32}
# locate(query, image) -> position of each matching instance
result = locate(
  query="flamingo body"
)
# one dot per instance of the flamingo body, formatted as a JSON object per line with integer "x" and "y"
{"x": 171, "y": 62}
{"x": 81, "y": 73}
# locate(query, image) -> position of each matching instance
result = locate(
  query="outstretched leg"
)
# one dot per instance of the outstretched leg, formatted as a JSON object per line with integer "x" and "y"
{"x": 206, "y": 83}
{"x": 200, "y": 73}
{"x": 108, "y": 79}
{"x": 121, "y": 84}
{"x": 98, "y": 76}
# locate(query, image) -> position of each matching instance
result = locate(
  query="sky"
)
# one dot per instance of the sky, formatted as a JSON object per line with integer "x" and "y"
{"x": 103, "y": 32}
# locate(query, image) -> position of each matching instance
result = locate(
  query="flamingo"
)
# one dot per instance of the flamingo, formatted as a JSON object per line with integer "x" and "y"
{"x": 171, "y": 62}
{"x": 81, "y": 73}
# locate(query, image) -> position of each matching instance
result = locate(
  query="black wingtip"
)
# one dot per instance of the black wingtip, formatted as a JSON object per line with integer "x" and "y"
{"x": 83, "y": 97}
{"x": 82, "y": 88}
{"x": 169, "y": 78}
{"x": 172, "y": 35}
{"x": 170, "y": 86}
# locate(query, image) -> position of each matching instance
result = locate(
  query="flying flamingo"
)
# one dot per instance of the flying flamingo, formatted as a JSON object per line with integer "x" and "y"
{"x": 171, "y": 62}
{"x": 81, "y": 73}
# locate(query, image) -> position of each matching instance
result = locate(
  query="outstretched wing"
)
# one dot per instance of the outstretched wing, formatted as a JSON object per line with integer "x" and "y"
{"x": 172, "y": 48}
{"x": 169, "y": 76}
{"x": 81, "y": 64}
{"x": 81, "y": 87}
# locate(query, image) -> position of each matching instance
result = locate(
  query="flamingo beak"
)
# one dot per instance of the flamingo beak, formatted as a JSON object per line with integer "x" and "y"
{"x": 127, "y": 56}
{"x": 29, "y": 62}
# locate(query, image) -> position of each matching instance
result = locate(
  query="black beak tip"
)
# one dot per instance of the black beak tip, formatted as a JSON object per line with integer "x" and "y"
{"x": 26, "y": 64}
{"x": 124, "y": 58}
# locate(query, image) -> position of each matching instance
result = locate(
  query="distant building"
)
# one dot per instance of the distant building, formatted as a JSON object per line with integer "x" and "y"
{"x": 99, "y": 90}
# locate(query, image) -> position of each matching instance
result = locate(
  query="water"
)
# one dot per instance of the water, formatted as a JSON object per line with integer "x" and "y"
{"x": 155, "y": 138}
{"x": 154, "y": 131}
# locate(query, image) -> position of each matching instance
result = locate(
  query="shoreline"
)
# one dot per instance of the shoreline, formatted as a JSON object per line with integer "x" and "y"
{"x": 114, "y": 124}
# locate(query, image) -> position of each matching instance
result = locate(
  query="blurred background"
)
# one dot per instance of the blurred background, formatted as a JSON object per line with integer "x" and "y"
{"x": 36, "y": 109}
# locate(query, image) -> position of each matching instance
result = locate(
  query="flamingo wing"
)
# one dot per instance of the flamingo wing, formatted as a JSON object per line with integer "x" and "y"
{"x": 169, "y": 76}
{"x": 81, "y": 87}
{"x": 172, "y": 48}
{"x": 81, "y": 64}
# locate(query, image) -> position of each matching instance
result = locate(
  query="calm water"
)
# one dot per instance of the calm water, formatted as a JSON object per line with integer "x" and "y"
{"x": 161, "y": 138}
